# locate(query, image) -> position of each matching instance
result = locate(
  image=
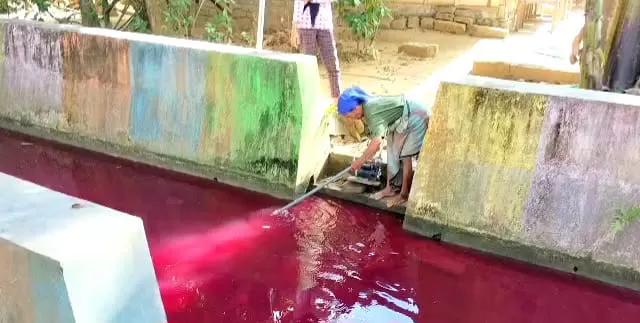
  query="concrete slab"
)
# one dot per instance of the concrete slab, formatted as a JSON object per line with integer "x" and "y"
{"x": 69, "y": 260}
{"x": 524, "y": 72}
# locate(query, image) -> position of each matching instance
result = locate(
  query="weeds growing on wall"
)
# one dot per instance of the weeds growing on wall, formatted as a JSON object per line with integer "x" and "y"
{"x": 364, "y": 18}
{"x": 625, "y": 217}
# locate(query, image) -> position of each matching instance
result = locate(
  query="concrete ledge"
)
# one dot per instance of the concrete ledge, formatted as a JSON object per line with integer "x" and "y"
{"x": 585, "y": 267}
{"x": 530, "y": 73}
{"x": 234, "y": 109}
{"x": 533, "y": 165}
{"x": 225, "y": 176}
{"x": 69, "y": 260}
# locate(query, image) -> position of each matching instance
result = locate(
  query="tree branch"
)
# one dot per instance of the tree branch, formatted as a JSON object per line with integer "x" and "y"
{"x": 195, "y": 18}
{"x": 126, "y": 23}
{"x": 107, "y": 12}
{"x": 124, "y": 11}
{"x": 221, "y": 8}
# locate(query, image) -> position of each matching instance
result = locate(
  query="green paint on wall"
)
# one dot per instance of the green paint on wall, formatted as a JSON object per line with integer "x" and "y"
{"x": 479, "y": 158}
{"x": 254, "y": 116}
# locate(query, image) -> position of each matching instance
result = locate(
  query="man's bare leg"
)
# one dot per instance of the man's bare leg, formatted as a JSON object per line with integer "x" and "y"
{"x": 407, "y": 180}
{"x": 387, "y": 191}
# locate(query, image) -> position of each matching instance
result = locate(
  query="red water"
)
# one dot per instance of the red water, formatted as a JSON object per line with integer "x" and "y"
{"x": 220, "y": 257}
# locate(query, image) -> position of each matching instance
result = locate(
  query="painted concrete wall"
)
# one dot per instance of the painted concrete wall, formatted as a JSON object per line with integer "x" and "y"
{"x": 243, "y": 115}
{"x": 67, "y": 260}
{"x": 541, "y": 166}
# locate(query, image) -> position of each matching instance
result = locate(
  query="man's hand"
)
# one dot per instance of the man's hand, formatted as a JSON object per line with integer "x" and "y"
{"x": 575, "y": 53}
{"x": 575, "y": 47}
{"x": 357, "y": 164}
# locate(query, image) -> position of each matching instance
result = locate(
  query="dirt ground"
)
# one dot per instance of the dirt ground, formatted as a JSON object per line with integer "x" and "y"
{"x": 537, "y": 44}
{"x": 395, "y": 73}
{"x": 392, "y": 73}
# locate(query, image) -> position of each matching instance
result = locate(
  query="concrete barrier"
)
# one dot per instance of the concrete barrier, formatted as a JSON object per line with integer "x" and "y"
{"x": 247, "y": 117}
{"x": 534, "y": 172}
{"x": 525, "y": 72}
{"x": 67, "y": 260}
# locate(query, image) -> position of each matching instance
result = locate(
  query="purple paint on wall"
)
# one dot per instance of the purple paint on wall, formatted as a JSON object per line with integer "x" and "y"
{"x": 32, "y": 77}
{"x": 586, "y": 171}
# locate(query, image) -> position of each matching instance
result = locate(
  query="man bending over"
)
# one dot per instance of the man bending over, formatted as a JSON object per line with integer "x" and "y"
{"x": 403, "y": 122}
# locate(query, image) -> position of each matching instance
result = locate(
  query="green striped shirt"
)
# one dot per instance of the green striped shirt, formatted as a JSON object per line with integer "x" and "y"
{"x": 381, "y": 112}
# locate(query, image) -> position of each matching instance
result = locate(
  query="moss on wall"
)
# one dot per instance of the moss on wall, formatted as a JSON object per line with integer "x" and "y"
{"x": 253, "y": 122}
{"x": 479, "y": 158}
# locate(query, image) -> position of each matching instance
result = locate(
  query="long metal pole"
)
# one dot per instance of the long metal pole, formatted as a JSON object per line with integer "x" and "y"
{"x": 313, "y": 191}
{"x": 260, "y": 31}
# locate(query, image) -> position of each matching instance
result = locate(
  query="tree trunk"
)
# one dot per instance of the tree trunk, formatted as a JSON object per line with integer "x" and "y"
{"x": 611, "y": 55}
{"x": 155, "y": 12}
{"x": 592, "y": 58}
{"x": 89, "y": 14}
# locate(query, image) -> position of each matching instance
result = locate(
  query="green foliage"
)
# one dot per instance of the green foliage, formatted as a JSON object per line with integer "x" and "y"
{"x": 624, "y": 218}
{"x": 139, "y": 25}
{"x": 7, "y": 6}
{"x": 221, "y": 29}
{"x": 4, "y": 6}
{"x": 182, "y": 15}
{"x": 179, "y": 18}
{"x": 43, "y": 5}
{"x": 247, "y": 38}
{"x": 364, "y": 18}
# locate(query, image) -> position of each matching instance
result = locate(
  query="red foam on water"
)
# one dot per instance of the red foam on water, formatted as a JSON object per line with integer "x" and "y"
{"x": 221, "y": 257}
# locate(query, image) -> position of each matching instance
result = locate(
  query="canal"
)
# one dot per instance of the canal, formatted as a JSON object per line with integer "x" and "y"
{"x": 220, "y": 256}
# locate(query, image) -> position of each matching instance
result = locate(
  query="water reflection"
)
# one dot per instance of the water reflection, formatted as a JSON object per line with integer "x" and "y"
{"x": 334, "y": 247}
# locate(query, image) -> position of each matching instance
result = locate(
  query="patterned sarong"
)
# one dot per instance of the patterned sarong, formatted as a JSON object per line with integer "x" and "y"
{"x": 406, "y": 137}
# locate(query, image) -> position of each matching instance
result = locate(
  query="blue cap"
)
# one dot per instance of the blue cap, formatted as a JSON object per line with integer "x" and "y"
{"x": 351, "y": 98}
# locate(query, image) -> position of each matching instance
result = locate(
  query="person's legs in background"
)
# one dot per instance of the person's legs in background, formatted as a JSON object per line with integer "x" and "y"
{"x": 329, "y": 55}
{"x": 308, "y": 41}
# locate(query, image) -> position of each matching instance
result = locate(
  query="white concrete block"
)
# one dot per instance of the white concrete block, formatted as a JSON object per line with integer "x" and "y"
{"x": 69, "y": 260}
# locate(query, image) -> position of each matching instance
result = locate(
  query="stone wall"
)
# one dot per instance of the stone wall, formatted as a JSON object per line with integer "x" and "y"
{"x": 67, "y": 260}
{"x": 406, "y": 14}
{"x": 245, "y": 117}
{"x": 534, "y": 172}
{"x": 426, "y": 16}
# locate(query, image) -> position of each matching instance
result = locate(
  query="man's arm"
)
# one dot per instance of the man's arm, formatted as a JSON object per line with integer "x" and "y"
{"x": 368, "y": 154}
{"x": 575, "y": 46}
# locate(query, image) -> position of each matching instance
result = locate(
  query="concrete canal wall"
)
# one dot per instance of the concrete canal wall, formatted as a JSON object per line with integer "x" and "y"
{"x": 249, "y": 118}
{"x": 66, "y": 260}
{"x": 534, "y": 172}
